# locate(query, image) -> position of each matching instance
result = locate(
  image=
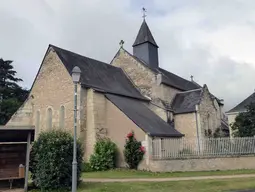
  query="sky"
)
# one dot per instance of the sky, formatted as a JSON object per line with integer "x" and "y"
{"x": 212, "y": 40}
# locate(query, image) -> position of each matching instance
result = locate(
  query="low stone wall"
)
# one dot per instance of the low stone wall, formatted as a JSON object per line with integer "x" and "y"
{"x": 205, "y": 164}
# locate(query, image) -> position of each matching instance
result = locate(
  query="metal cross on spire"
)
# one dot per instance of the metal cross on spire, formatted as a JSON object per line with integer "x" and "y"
{"x": 144, "y": 12}
{"x": 191, "y": 77}
{"x": 121, "y": 43}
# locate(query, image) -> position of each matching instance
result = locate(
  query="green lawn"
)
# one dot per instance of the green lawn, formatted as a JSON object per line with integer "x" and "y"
{"x": 122, "y": 173}
{"x": 227, "y": 185}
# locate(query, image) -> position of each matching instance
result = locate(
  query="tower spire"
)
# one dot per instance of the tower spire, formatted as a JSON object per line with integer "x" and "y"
{"x": 145, "y": 47}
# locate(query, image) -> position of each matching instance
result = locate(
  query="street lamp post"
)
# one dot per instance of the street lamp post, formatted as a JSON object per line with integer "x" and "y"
{"x": 76, "y": 73}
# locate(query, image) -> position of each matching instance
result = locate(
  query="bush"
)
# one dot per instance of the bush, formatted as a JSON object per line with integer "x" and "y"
{"x": 133, "y": 152}
{"x": 51, "y": 160}
{"x": 104, "y": 157}
{"x": 86, "y": 167}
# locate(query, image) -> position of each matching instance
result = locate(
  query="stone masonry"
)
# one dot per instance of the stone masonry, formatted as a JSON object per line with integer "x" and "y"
{"x": 141, "y": 76}
{"x": 147, "y": 81}
{"x": 209, "y": 113}
{"x": 53, "y": 88}
{"x": 186, "y": 124}
{"x": 203, "y": 164}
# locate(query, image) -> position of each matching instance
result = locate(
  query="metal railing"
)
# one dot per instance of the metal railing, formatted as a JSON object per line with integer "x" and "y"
{"x": 171, "y": 148}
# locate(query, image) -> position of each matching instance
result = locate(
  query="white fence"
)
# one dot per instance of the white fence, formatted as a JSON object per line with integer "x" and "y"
{"x": 170, "y": 148}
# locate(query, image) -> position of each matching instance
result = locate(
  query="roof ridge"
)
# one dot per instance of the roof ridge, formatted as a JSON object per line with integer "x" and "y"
{"x": 98, "y": 74}
{"x": 175, "y": 75}
{"x": 78, "y": 54}
{"x": 192, "y": 90}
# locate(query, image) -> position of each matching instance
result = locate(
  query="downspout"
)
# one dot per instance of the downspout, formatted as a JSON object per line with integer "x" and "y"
{"x": 198, "y": 136}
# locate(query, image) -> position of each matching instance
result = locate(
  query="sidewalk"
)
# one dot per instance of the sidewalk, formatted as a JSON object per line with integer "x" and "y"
{"x": 103, "y": 180}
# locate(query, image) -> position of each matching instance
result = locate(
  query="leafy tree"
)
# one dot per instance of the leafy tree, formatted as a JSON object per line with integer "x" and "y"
{"x": 244, "y": 125}
{"x": 11, "y": 94}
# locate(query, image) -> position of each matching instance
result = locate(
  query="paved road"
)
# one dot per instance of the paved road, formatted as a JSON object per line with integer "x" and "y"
{"x": 99, "y": 180}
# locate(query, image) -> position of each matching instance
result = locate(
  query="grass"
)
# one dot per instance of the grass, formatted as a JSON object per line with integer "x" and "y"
{"x": 183, "y": 186}
{"x": 125, "y": 173}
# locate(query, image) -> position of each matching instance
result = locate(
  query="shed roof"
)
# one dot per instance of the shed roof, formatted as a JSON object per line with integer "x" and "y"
{"x": 16, "y": 133}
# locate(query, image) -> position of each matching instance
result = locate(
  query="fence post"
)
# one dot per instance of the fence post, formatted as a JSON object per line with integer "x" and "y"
{"x": 160, "y": 148}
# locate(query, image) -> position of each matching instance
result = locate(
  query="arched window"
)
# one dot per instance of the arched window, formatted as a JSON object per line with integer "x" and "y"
{"x": 37, "y": 124}
{"x": 62, "y": 117}
{"x": 49, "y": 118}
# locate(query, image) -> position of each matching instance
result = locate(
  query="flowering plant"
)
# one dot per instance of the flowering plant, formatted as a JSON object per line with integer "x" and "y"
{"x": 142, "y": 149}
{"x": 134, "y": 151}
{"x": 129, "y": 134}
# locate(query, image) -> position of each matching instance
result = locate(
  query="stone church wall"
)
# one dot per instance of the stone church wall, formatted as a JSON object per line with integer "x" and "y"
{"x": 105, "y": 120}
{"x": 209, "y": 113}
{"x": 140, "y": 75}
{"x": 159, "y": 110}
{"x": 23, "y": 116}
{"x": 186, "y": 124}
{"x": 52, "y": 88}
{"x": 119, "y": 125}
{"x": 90, "y": 134}
{"x": 146, "y": 81}
{"x": 167, "y": 93}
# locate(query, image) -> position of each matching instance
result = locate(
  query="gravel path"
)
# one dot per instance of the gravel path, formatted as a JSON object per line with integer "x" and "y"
{"x": 11, "y": 190}
{"x": 99, "y": 180}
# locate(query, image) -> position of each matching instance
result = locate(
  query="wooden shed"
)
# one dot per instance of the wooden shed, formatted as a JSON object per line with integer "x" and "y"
{"x": 14, "y": 154}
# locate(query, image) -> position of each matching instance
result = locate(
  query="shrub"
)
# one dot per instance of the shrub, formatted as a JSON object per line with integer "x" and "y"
{"x": 86, "y": 167}
{"x": 104, "y": 157}
{"x": 133, "y": 152}
{"x": 51, "y": 160}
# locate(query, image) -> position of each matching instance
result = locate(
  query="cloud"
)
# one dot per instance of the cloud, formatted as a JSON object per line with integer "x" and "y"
{"x": 212, "y": 40}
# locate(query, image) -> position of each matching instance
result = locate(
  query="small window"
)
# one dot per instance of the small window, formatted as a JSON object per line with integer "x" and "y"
{"x": 62, "y": 117}
{"x": 49, "y": 118}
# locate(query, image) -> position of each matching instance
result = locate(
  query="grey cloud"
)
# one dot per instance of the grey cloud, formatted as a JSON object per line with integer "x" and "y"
{"x": 94, "y": 28}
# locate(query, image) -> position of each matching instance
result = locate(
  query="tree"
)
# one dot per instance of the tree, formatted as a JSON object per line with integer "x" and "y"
{"x": 11, "y": 94}
{"x": 244, "y": 125}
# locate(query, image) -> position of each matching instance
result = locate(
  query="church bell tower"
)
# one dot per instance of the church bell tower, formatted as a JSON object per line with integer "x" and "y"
{"x": 145, "y": 47}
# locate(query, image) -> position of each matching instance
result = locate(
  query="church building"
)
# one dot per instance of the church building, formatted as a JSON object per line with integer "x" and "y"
{"x": 132, "y": 93}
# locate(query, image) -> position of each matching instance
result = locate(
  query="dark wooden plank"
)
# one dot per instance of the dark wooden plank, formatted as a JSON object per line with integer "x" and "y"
{"x": 11, "y": 156}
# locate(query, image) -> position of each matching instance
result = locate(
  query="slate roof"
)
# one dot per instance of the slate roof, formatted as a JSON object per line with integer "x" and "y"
{"x": 143, "y": 117}
{"x": 144, "y": 35}
{"x": 171, "y": 79}
{"x": 185, "y": 102}
{"x": 241, "y": 107}
{"x": 98, "y": 75}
